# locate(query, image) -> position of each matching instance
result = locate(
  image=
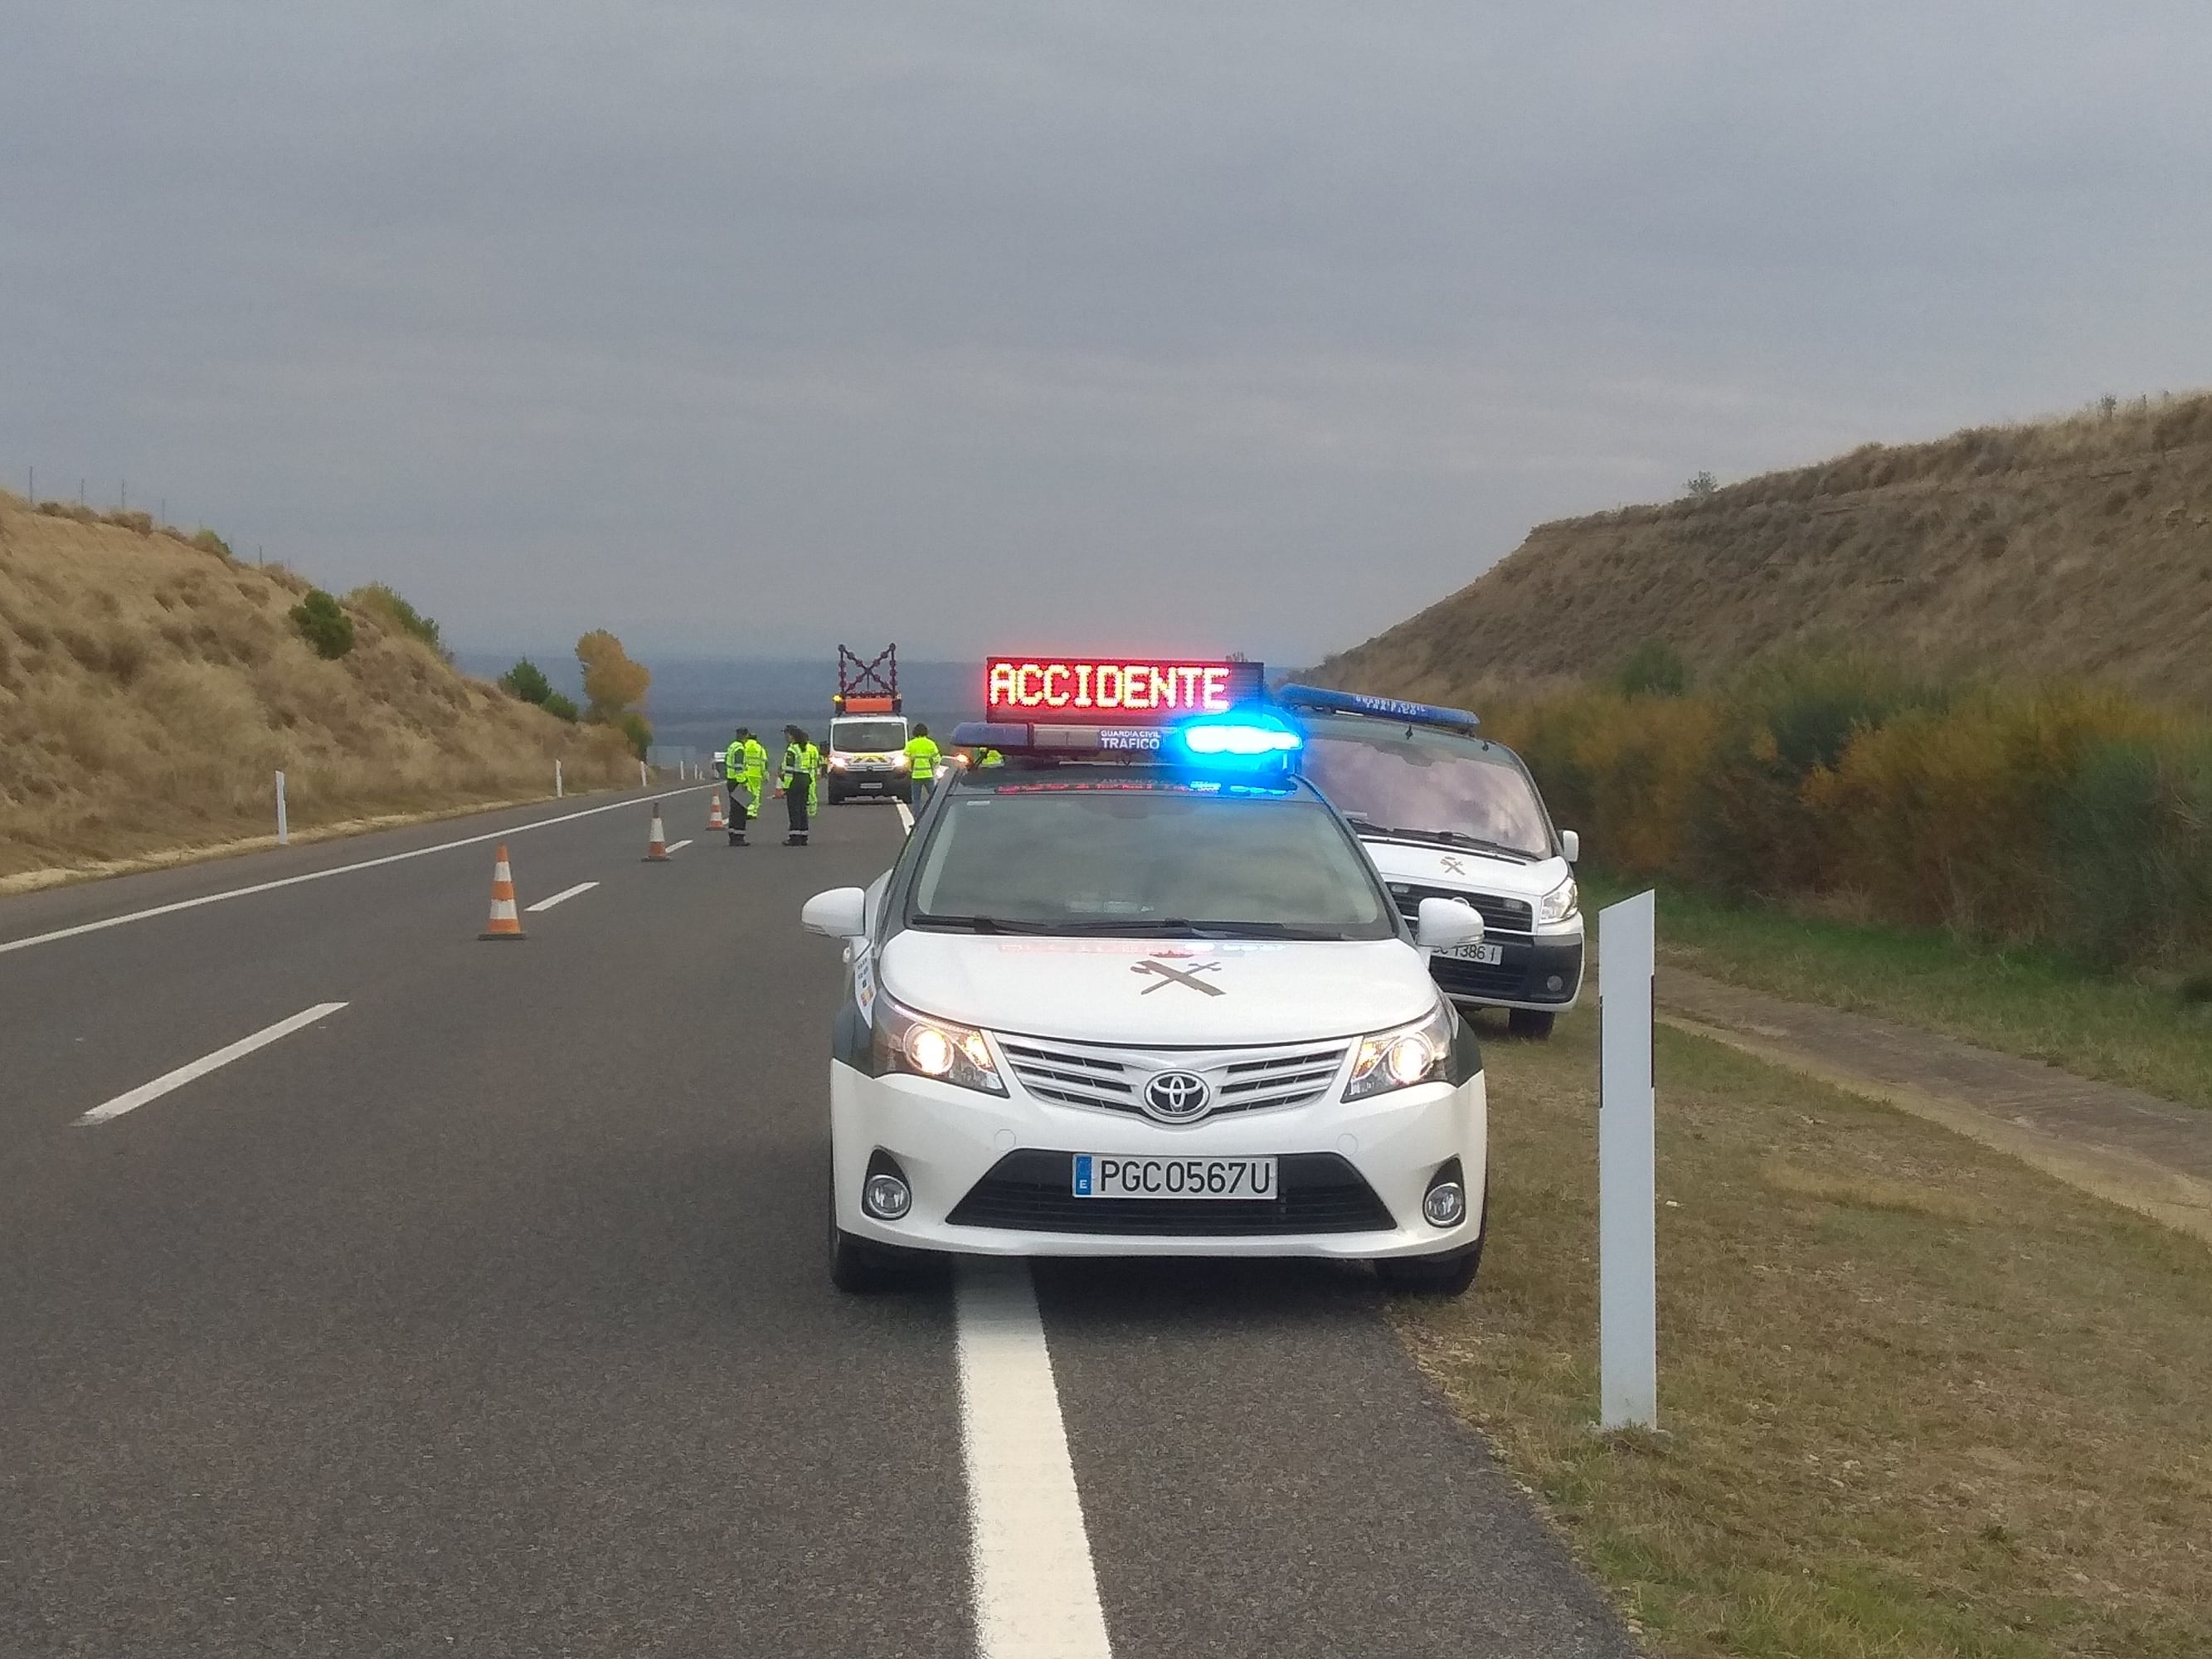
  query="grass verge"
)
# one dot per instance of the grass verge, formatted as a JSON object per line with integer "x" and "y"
{"x": 1919, "y": 1400}
{"x": 2023, "y": 1002}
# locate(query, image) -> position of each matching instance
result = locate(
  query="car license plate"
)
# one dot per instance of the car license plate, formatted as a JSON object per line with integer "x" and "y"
{"x": 1100, "y": 1175}
{"x": 1492, "y": 954}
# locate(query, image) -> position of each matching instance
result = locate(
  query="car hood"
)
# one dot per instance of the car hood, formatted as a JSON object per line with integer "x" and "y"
{"x": 1163, "y": 992}
{"x": 1466, "y": 869}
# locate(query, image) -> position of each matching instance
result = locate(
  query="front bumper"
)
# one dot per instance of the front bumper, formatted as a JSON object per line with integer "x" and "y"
{"x": 885, "y": 781}
{"x": 1523, "y": 980}
{"x": 948, "y": 1140}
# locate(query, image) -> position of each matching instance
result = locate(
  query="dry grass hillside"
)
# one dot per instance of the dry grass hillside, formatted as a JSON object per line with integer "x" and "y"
{"x": 150, "y": 687}
{"x": 2074, "y": 547}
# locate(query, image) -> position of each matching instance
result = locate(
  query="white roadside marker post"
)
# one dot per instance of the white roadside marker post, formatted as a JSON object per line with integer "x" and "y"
{"x": 558, "y": 790}
{"x": 1628, "y": 1170}
{"x": 283, "y": 829}
{"x": 641, "y": 775}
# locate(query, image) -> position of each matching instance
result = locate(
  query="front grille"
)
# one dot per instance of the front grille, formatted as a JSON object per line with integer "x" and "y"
{"x": 1033, "y": 1191}
{"x": 1112, "y": 1079}
{"x": 1500, "y": 914}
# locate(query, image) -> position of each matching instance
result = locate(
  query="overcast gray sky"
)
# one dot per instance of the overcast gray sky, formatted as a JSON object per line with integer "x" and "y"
{"x": 754, "y": 326}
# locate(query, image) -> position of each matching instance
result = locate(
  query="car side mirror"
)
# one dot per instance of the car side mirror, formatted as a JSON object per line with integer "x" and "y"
{"x": 1571, "y": 846}
{"x": 841, "y": 913}
{"x": 1445, "y": 922}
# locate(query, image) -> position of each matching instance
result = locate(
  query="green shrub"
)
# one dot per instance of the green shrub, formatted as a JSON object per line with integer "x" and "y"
{"x": 381, "y": 600}
{"x": 555, "y": 703}
{"x": 528, "y": 681}
{"x": 208, "y": 542}
{"x": 632, "y": 725}
{"x": 1654, "y": 669}
{"x": 2057, "y": 815}
{"x": 324, "y": 624}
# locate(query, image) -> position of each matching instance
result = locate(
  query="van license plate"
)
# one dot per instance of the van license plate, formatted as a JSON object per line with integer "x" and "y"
{"x": 1102, "y": 1174}
{"x": 1492, "y": 954}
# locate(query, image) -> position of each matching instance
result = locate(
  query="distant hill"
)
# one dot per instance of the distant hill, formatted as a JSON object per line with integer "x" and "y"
{"x": 2072, "y": 547}
{"x": 149, "y": 688}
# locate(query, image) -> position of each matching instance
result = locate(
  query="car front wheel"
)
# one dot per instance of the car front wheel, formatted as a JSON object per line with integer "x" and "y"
{"x": 1430, "y": 1275}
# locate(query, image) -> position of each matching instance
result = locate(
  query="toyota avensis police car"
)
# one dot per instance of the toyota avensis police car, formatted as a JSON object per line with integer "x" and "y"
{"x": 1140, "y": 992}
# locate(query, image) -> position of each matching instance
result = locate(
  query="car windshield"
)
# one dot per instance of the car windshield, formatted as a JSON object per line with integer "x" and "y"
{"x": 1139, "y": 860}
{"x": 867, "y": 737}
{"x": 1426, "y": 785}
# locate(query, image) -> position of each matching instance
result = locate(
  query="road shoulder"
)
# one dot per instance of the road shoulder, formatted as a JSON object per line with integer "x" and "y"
{"x": 2123, "y": 1145}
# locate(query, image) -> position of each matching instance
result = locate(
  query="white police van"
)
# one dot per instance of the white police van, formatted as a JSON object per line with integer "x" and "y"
{"x": 1445, "y": 813}
{"x": 867, "y": 759}
{"x": 1137, "y": 991}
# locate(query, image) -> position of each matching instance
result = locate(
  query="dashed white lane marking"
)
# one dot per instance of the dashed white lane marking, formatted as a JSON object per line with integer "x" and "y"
{"x": 320, "y": 875}
{"x": 676, "y": 846}
{"x": 906, "y": 816}
{"x": 184, "y": 1074}
{"x": 561, "y": 897}
{"x": 1035, "y": 1590}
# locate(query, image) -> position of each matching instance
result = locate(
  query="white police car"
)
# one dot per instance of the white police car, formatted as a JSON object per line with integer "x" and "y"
{"x": 1447, "y": 814}
{"x": 1139, "y": 992}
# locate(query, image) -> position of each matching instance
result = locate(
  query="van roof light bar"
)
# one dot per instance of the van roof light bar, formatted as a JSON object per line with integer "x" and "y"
{"x": 1323, "y": 698}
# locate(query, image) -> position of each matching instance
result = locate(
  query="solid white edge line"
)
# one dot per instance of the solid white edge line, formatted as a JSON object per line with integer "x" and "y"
{"x": 184, "y": 1074}
{"x": 906, "y": 815}
{"x": 319, "y": 875}
{"x": 1034, "y": 1586}
{"x": 561, "y": 897}
{"x": 676, "y": 846}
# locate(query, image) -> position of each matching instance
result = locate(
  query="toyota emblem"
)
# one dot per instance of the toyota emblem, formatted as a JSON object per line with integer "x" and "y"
{"x": 1177, "y": 1096}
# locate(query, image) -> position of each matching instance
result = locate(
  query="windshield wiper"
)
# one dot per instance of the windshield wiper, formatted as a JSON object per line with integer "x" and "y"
{"x": 982, "y": 924}
{"x": 1448, "y": 838}
{"x": 1184, "y": 927}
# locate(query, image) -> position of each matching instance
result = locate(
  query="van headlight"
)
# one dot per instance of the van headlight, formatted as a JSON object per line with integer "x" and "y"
{"x": 1400, "y": 1058}
{"x": 1560, "y": 904}
{"x": 937, "y": 1049}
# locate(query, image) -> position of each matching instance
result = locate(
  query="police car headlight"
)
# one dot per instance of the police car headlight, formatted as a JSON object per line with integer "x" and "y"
{"x": 902, "y": 761}
{"x": 838, "y": 762}
{"x": 1561, "y": 902}
{"x": 913, "y": 1042}
{"x": 1398, "y": 1059}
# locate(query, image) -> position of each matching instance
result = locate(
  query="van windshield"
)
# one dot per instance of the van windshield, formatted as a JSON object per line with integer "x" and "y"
{"x": 867, "y": 737}
{"x": 1425, "y": 785}
{"x": 1121, "y": 857}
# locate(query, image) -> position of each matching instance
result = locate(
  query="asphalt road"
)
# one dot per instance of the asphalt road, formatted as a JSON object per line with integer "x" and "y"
{"x": 487, "y": 1315}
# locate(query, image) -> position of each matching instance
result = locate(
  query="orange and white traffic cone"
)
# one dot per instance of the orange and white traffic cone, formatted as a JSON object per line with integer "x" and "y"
{"x": 506, "y": 921}
{"x": 715, "y": 819}
{"x": 656, "y": 845}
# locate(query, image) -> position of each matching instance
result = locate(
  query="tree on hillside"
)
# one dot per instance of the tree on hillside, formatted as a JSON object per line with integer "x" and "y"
{"x": 615, "y": 686}
{"x": 1700, "y": 485}
{"x": 528, "y": 681}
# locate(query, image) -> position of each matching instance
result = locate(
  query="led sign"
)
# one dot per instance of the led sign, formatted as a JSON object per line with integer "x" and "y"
{"x": 1117, "y": 690}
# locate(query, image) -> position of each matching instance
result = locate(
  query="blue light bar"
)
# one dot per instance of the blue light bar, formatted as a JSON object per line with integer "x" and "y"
{"x": 1359, "y": 703}
{"x": 1244, "y": 737}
